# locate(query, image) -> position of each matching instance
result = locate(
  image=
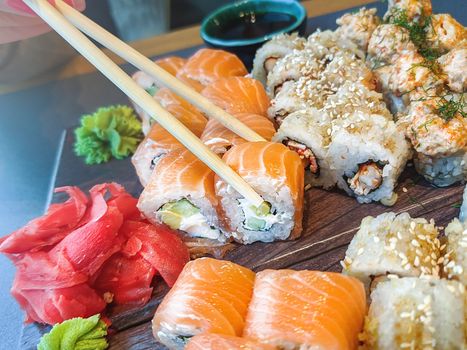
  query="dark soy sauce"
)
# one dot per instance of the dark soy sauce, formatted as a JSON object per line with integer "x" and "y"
{"x": 253, "y": 25}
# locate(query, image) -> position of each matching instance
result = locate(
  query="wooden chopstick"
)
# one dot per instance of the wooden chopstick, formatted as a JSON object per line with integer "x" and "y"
{"x": 143, "y": 63}
{"x": 125, "y": 83}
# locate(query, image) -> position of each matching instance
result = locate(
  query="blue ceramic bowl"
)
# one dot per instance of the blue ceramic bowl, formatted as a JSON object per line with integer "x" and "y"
{"x": 220, "y": 22}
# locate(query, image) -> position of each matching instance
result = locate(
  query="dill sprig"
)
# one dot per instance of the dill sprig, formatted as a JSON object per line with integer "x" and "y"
{"x": 418, "y": 32}
{"x": 448, "y": 108}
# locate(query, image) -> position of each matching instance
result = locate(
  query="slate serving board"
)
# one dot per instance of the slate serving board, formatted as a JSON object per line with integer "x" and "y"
{"x": 330, "y": 219}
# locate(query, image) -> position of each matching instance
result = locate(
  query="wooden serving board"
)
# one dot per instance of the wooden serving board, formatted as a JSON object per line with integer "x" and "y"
{"x": 330, "y": 221}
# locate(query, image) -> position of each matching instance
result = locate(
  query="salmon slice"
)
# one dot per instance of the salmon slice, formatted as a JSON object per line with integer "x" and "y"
{"x": 209, "y": 296}
{"x": 211, "y": 341}
{"x": 172, "y": 64}
{"x": 277, "y": 174}
{"x": 306, "y": 309}
{"x": 220, "y": 139}
{"x": 159, "y": 141}
{"x": 208, "y": 65}
{"x": 238, "y": 95}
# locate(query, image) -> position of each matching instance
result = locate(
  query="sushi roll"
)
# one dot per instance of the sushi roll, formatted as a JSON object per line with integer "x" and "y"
{"x": 306, "y": 310}
{"x": 392, "y": 244}
{"x": 455, "y": 257}
{"x": 357, "y": 27}
{"x": 274, "y": 49}
{"x": 276, "y": 174}
{"x": 220, "y": 139}
{"x": 172, "y": 65}
{"x": 180, "y": 194}
{"x": 211, "y": 341}
{"x": 445, "y": 33}
{"x": 437, "y": 129}
{"x": 454, "y": 76}
{"x": 415, "y": 10}
{"x": 160, "y": 142}
{"x": 463, "y": 210}
{"x": 329, "y": 42}
{"x": 306, "y": 133}
{"x": 296, "y": 64}
{"x": 209, "y": 296}
{"x": 208, "y": 65}
{"x": 415, "y": 313}
{"x": 368, "y": 153}
{"x": 238, "y": 95}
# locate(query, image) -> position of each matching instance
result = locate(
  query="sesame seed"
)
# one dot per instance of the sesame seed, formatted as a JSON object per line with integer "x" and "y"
{"x": 415, "y": 243}
{"x": 405, "y": 190}
{"x": 360, "y": 251}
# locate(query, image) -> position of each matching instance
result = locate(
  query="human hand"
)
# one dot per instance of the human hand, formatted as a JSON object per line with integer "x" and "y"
{"x": 18, "y": 21}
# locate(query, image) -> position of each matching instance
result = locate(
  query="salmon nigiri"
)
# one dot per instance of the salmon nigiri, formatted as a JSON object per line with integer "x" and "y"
{"x": 208, "y": 65}
{"x": 276, "y": 173}
{"x": 238, "y": 95}
{"x": 212, "y": 341}
{"x": 306, "y": 310}
{"x": 209, "y": 296}
{"x": 220, "y": 139}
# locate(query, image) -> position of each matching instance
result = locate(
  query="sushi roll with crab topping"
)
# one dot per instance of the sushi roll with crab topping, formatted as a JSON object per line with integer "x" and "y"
{"x": 392, "y": 244}
{"x": 306, "y": 133}
{"x": 414, "y": 10}
{"x": 297, "y": 64}
{"x": 444, "y": 33}
{"x": 387, "y": 43}
{"x": 453, "y": 66}
{"x": 358, "y": 27}
{"x": 368, "y": 153}
{"x": 275, "y": 173}
{"x": 267, "y": 55}
{"x": 416, "y": 313}
{"x": 437, "y": 129}
{"x": 180, "y": 193}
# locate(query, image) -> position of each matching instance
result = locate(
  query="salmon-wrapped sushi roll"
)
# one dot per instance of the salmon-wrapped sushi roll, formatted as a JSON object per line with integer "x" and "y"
{"x": 238, "y": 95}
{"x": 180, "y": 193}
{"x": 208, "y": 65}
{"x": 267, "y": 55}
{"x": 306, "y": 310}
{"x": 416, "y": 313}
{"x": 212, "y": 341}
{"x": 159, "y": 141}
{"x": 171, "y": 64}
{"x": 220, "y": 139}
{"x": 275, "y": 173}
{"x": 209, "y": 296}
{"x": 392, "y": 244}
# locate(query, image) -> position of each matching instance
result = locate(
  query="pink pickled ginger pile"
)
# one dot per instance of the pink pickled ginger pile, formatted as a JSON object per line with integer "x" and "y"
{"x": 86, "y": 252}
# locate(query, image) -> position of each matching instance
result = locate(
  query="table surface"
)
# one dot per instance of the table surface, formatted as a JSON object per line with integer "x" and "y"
{"x": 35, "y": 115}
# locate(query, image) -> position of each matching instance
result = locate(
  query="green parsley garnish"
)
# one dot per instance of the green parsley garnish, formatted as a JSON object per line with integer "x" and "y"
{"x": 113, "y": 131}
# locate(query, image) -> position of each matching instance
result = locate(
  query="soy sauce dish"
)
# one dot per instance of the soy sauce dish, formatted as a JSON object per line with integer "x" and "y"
{"x": 244, "y": 26}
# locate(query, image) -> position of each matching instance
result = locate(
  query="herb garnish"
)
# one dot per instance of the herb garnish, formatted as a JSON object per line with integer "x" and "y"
{"x": 448, "y": 108}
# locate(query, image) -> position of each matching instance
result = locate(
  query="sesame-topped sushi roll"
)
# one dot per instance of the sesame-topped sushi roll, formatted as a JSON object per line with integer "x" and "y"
{"x": 358, "y": 26}
{"x": 306, "y": 132}
{"x": 416, "y": 313}
{"x": 437, "y": 129}
{"x": 275, "y": 173}
{"x": 220, "y": 139}
{"x": 274, "y": 49}
{"x": 455, "y": 257}
{"x": 392, "y": 244}
{"x": 368, "y": 153}
{"x": 180, "y": 193}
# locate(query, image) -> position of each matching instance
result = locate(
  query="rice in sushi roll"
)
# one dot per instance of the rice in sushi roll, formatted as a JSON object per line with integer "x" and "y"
{"x": 463, "y": 211}
{"x": 274, "y": 49}
{"x": 180, "y": 193}
{"x": 416, "y": 313}
{"x": 368, "y": 153}
{"x": 306, "y": 132}
{"x": 392, "y": 244}
{"x": 455, "y": 258}
{"x": 276, "y": 174}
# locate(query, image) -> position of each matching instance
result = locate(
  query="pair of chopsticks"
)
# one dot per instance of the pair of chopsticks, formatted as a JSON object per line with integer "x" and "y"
{"x": 68, "y": 29}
